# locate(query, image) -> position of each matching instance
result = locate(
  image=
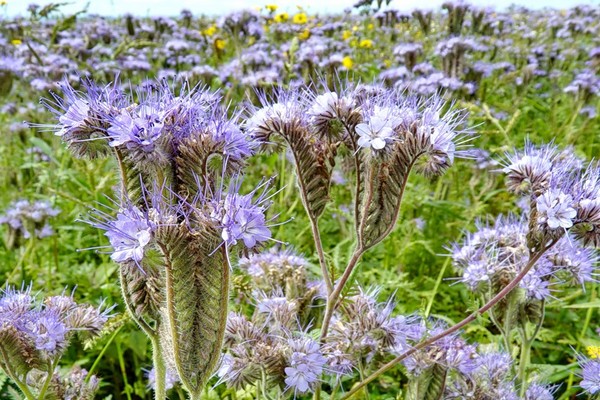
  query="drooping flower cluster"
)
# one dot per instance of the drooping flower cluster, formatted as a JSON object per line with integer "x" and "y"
{"x": 26, "y": 219}
{"x": 560, "y": 200}
{"x": 181, "y": 217}
{"x": 34, "y": 335}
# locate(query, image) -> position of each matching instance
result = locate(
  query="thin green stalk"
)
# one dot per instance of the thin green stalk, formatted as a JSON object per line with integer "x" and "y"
{"x": 160, "y": 392}
{"x": 51, "y": 366}
{"x": 334, "y": 297}
{"x": 314, "y": 225}
{"x": 438, "y": 282}
{"x": 524, "y": 359}
{"x": 23, "y": 387}
{"x": 97, "y": 360}
{"x": 507, "y": 325}
{"x": 123, "y": 371}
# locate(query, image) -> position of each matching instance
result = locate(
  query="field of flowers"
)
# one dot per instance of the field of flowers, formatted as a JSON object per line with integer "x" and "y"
{"x": 272, "y": 204}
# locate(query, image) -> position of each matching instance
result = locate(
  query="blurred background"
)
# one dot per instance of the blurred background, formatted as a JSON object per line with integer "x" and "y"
{"x": 211, "y": 7}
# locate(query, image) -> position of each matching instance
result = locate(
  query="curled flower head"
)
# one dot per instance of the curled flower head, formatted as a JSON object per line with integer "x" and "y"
{"x": 82, "y": 116}
{"x": 530, "y": 171}
{"x": 44, "y": 325}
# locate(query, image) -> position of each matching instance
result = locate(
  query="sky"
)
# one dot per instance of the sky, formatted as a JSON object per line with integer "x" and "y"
{"x": 215, "y": 7}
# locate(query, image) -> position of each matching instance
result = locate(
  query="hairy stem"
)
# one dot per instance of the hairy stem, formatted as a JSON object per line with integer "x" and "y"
{"x": 313, "y": 221}
{"x": 524, "y": 362}
{"x": 12, "y": 375}
{"x": 51, "y": 366}
{"x": 123, "y": 175}
{"x": 333, "y": 298}
{"x": 472, "y": 317}
{"x": 314, "y": 224}
{"x": 160, "y": 369}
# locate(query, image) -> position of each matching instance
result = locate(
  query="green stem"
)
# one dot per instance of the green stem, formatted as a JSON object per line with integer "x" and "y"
{"x": 160, "y": 392}
{"x": 507, "y": 324}
{"x": 123, "y": 370}
{"x": 314, "y": 224}
{"x": 97, "y": 361}
{"x": 334, "y": 297}
{"x": 524, "y": 362}
{"x": 23, "y": 387}
{"x": 51, "y": 366}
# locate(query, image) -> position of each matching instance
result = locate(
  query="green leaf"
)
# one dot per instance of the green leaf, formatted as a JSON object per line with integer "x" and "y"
{"x": 591, "y": 304}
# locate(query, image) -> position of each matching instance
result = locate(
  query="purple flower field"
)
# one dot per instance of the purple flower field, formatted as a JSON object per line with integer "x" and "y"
{"x": 274, "y": 204}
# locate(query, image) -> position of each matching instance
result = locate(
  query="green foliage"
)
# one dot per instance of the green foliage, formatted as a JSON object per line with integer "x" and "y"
{"x": 407, "y": 262}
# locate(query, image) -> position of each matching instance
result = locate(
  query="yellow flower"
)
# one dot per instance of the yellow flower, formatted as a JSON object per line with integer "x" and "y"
{"x": 347, "y": 62}
{"x": 16, "y": 42}
{"x": 346, "y": 35}
{"x": 282, "y": 17}
{"x": 220, "y": 44}
{"x": 366, "y": 43}
{"x": 305, "y": 34}
{"x": 300, "y": 18}
{"x": 370, "y": 27}
{"x": 211, "y": 30}
{"x": 354, "y": 28}
{"x": 593, "y": 351}
{"x": 271, "y": 7}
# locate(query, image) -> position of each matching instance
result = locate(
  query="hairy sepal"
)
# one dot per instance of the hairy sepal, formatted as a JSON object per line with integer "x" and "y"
{"x": 429, "y": 385}
{"x": 195, "y": 311}
{"x": 384, "y": 179}
{"x": 315, "y": 160}
{"x": 18, "y": 352}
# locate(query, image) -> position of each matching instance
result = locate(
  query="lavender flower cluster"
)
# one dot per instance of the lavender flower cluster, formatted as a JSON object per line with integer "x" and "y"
{"x": 34, "y": 335}
{"x": 182, "y": 215}
{"x": 26, "y": 219}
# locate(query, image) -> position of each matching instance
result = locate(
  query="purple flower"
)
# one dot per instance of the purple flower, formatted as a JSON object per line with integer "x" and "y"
{"x": 137, "y": 131}
{"x": 242, "y": 219}
{"x": 535, "y": 391}
{"x": 555, "y": 208}
{"x": 306, "y": 365}
{"x": 379, "y": 129}
{"x": 74, "y": 117}
{"x": 590, "y": 374}
{"x": 171, "y": 378}
{"x": 49, "y": 331}
{"x": 128, "y": 235}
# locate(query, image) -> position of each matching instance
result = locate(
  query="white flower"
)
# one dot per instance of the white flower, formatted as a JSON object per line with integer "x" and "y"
{"x": 555, "y": 209}
{"x": 379, "y": 130}
{"x": 324, "y": 104}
